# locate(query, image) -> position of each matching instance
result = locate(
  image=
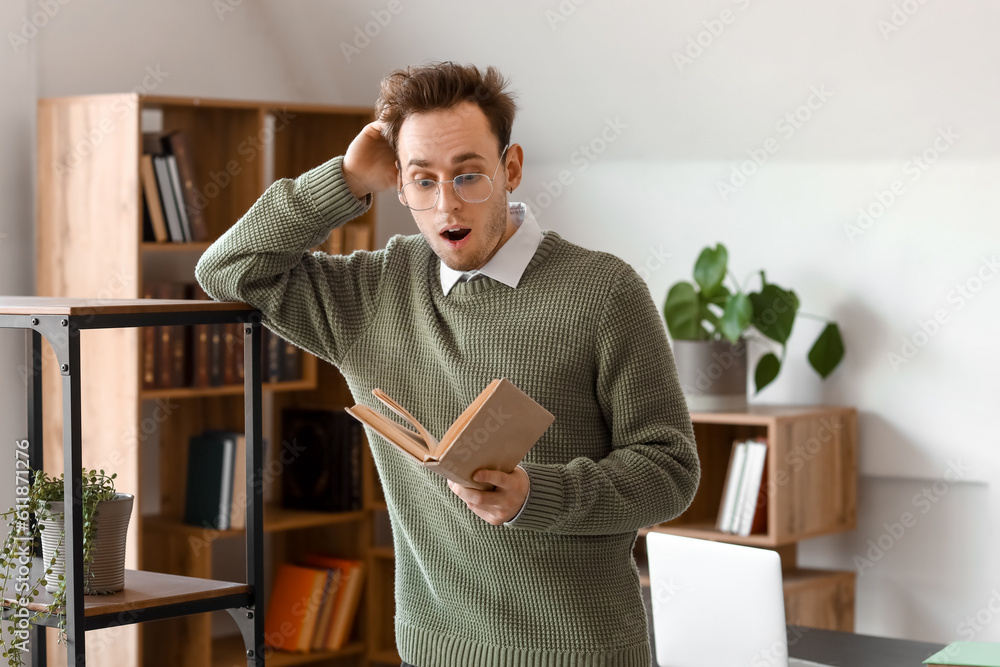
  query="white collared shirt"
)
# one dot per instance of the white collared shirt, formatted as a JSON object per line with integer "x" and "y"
{"x": 507, "y": 265}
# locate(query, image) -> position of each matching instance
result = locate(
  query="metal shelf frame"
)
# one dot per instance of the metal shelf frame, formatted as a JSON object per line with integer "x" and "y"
{"x": 62, "y": 331}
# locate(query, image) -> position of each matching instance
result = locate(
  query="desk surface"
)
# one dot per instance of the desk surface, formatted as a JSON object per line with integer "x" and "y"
{"x": 847, "y": 649}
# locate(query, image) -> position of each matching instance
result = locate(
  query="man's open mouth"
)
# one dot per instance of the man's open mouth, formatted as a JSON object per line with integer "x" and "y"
{"x": 455, "y": 233}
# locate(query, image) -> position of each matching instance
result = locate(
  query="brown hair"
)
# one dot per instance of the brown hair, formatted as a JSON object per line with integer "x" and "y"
{"x": 443, "y": 85}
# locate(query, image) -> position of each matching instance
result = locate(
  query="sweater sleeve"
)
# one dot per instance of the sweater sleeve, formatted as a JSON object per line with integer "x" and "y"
{"x": 652, "y": 472}
{"x": 318, "y": 301}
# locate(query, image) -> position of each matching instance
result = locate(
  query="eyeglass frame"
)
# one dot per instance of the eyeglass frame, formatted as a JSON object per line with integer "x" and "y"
{"x": 437, "y": 191}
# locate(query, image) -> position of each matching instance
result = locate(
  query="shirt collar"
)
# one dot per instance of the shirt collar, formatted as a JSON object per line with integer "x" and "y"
{"x": 509, "y": 262}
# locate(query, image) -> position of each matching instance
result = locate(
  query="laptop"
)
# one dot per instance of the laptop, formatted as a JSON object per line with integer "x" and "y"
{"x": 716, "y": 604}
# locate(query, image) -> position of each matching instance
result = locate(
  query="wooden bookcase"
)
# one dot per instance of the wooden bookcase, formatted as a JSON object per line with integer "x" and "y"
{"x": 90, "y": 243}
{"x": 811, "y": 483}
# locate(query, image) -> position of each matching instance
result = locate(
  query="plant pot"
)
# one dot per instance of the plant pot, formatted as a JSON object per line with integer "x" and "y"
{"x": 107, "y": 572}
{"x": 713, "y": 374}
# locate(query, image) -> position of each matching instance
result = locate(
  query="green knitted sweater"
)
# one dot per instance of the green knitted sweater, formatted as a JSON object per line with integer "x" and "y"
{"x": 558, "y": 587}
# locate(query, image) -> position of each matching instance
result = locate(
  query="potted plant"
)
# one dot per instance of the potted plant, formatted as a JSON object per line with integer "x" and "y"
{"x": 711, "y": 323}
{"x": 38, "y": 517}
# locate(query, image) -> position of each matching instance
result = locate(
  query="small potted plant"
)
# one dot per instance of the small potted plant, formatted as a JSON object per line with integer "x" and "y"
{"x": 38, "y": 517}
{"x": 711, "y": 323}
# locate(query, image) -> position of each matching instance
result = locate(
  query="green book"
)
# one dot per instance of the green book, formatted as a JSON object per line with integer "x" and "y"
{"x": 967, "y": 654}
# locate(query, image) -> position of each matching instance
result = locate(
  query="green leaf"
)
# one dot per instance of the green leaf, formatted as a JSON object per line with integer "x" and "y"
{"x": 774, "y": 312}
{"x": 827, "y": 351}
{"x": 719, "y": 297}
{"x": 710, "y": 269}
{"x": 767, "y": 370}
{"x": 736, "y": 317}
{"x": 682, "y": 312}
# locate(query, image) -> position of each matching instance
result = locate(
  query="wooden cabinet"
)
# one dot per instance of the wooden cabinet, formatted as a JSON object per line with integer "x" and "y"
{"x": 811, "y": 490}
{"x": 90, "y": 245}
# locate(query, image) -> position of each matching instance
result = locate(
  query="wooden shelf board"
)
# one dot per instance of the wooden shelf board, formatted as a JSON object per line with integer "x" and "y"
{"x": 386, "y": 656}
{"x": 276, "y": 519}
{"x": 74, "y": 306}
{"x": 145, "y": 590}
{"x": 380, "y": 505}
{"x": 707, "y": 531}
{"x": 230, "y": 652}
{"x": 223, "y": 390}
{"x": 762, "y": 415}
{"x": 382, "y": 552}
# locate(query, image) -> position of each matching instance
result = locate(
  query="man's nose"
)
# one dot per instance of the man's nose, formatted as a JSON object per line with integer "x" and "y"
{"x": 448, "y": 199}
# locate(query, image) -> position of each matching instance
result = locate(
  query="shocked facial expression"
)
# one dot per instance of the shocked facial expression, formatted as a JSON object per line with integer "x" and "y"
{"x": 441, "y": 145}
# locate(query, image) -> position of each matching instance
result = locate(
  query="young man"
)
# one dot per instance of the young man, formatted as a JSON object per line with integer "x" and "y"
{"x": 540, "y": 570}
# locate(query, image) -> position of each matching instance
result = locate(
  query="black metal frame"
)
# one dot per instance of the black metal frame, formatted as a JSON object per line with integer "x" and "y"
{"x": 63, "y": 334}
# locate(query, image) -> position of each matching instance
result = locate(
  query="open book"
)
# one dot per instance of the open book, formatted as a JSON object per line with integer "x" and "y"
{"x": 494, "y": 432}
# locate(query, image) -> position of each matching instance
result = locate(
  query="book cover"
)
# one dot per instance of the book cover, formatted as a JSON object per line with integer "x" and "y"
{"x": 321, "y": 634}
{"x": 167, "y": 198}
{"x": 152, "y": 196}
{"x": 209, "y": 492}
{"x": 237, "y": 445}
{"x": 750, "y": 489}
{"x": 494, "y": 432}
{"x": 348, "y": 597}
{"x": 966, "y": 654}
{"x": 176, "y": 144}
{"x": 293, "y": 608}
{"x": 730, "y": 490}
{"x": 175, "y": 186}
{"x": 316, "y": 479}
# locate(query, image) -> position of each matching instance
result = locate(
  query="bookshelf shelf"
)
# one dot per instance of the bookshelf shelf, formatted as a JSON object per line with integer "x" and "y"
{"x": 91, "y": 240}
{"x": 224, "y": 390}
{"x": 810, "y": 488}
{"x": 150, "y": 595}
{"x": 276, "y": 519}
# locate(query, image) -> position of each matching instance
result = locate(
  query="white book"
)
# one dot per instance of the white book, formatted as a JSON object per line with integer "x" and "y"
{"x": 756, "y": 455}
{"x": 732, "y": 487}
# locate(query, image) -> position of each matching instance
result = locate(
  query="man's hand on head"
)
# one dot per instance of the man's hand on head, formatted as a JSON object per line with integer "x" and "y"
{"x": 503, "y": 503}
{"x": 369, "y": 163}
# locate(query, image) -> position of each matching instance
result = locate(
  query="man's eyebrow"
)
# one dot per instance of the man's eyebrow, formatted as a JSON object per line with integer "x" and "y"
{"x": 459, "y": 159}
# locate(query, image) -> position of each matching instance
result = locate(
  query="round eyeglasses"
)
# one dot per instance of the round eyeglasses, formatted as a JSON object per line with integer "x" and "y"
{"x": 422, "y": 194}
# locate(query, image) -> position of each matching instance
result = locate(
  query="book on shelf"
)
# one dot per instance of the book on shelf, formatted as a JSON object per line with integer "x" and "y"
{"x": 743, "y": 507}
{"x": 215, "y": 494}
{"x": 494, "y": 432}
{"x": 208, "y": 494}
{"x": 151, "y": 197}
{"x": 293, "y": 607}
{"x": 208, "y": 355}
{"x": 337, "y": 630}
{"x": 324, "y": 471}
{"x": 175, "y": 144}
{"x": 166, "y": 189}
{"x": 178, "y": 193}
{"x": 966, "y": 654}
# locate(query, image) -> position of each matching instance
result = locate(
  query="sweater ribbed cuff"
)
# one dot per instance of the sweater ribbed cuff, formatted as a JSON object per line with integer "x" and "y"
{"x": 327, "y": 190}
{"x": 545, "y": 500}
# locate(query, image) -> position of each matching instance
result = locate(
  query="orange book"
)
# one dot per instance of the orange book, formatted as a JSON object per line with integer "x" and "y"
{"x": 296, "y": 598}
{"x": 345, "y": 606}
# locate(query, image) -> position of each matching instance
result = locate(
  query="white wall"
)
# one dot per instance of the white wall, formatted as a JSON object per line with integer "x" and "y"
{"x": 653, "y": 191}
{"x": 17, "y": 269}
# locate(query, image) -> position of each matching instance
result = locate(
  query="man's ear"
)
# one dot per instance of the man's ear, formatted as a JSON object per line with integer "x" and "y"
{"x": 515, "y": 160}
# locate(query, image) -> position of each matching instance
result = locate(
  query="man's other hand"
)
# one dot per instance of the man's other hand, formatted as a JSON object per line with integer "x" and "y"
{"x": 369, "y": 164}
{"x": 503, "y": 503}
